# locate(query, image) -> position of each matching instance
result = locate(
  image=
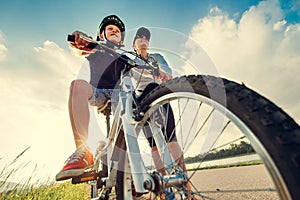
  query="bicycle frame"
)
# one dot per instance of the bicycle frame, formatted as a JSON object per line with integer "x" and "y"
{"x": 125, "y": 113}
{"x": 130, "y": 127}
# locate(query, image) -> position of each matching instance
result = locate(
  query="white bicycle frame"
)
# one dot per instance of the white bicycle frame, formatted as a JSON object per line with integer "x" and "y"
{"x": 125, "y": 112}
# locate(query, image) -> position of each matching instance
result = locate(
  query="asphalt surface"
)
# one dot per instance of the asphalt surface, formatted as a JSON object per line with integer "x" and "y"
{"x": 248, "y": 182}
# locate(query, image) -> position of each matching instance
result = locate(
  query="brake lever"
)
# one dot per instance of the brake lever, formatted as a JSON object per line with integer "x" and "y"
{"x": 155, "y": 68}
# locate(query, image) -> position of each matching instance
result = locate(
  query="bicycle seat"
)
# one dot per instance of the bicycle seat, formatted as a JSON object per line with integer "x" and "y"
{"x": 106, "y": 109}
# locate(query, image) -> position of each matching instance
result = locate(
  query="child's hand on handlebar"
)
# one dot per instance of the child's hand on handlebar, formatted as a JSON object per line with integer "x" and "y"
{"x": 80, "y": 42}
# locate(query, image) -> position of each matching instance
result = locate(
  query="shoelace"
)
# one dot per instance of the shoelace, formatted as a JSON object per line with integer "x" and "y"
{"x": 75, "y": 156}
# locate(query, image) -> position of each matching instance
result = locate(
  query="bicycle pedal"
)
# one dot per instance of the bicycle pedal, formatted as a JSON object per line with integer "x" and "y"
{"x": 85, "y": 177}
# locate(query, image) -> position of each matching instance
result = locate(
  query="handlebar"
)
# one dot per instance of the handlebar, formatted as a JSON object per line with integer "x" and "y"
{"x": 109, "y": 46}
{"x": 92, "y": 44}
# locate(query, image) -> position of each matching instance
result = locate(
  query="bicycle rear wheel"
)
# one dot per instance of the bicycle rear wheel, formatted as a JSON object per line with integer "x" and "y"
{"x": 217, "y": 117}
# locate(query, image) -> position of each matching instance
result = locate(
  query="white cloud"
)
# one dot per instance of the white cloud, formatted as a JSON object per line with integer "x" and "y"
{"x": 1, "y": 36}
{"x": 279, "y": 26}
{"x": 215, "y": 11}
{"x": 3, "y": 49}
{"x": 34, "y": 111}
{"x": 61, "y": 62}
{"x": 60, "y": 67}
{"x": 261, "y": 50}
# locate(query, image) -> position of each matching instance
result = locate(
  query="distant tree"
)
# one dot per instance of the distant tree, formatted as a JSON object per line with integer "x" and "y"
{"x": 233, "y": 150}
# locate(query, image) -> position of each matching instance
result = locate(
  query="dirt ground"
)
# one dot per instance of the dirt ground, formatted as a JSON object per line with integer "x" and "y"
{"x": 249, "y": 182}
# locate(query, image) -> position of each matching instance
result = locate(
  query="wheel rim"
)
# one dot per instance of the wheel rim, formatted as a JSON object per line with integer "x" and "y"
{"x": 182, "y": 99}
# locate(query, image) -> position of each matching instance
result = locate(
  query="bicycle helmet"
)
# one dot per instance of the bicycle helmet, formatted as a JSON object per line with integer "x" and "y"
{"x": 114, "y": 20}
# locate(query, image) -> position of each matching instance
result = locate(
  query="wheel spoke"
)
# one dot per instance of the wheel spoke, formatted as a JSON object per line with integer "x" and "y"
{"x": 207, "y": 127}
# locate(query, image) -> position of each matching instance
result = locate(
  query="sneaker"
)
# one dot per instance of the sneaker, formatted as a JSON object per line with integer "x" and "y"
{"x": 75, "y": 165}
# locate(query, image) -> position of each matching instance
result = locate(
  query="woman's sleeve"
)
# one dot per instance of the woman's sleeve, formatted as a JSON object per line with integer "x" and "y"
{"x": 163, "y": 65}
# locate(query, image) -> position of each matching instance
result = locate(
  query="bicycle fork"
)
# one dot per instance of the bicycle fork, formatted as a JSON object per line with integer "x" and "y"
{"x": 138, "y": 169}
{"x": 143, "y": 181}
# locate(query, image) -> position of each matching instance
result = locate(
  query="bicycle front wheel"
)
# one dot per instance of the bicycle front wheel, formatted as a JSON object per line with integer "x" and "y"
{"x": 216, "y": 118}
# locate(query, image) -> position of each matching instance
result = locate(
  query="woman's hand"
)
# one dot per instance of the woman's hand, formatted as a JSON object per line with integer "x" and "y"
{"x": 163, "y": 76}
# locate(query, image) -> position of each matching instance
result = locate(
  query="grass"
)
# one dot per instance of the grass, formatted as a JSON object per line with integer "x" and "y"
{"x": 49, "y": 192}
{"x": 26, "y": 189}
{"x": 228, "y": 165}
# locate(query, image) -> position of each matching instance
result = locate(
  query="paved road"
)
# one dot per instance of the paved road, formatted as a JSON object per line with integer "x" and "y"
{"x": 253, "y": 178}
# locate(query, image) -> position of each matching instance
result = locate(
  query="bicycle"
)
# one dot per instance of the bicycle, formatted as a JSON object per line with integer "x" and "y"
{"x": 207, "y": 110}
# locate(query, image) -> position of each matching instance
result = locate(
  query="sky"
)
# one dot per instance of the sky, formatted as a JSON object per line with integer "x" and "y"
{"x": 251, "y": 41}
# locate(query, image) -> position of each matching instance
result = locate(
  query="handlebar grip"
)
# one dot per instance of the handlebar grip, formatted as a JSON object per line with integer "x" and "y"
{"x": 71, "y": 38}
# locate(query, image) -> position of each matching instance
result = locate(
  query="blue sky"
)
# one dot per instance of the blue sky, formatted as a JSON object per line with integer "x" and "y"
{"x": 31, "y": 22}
{"x": 250, "y": 41}
{"x": 52, "y": 20}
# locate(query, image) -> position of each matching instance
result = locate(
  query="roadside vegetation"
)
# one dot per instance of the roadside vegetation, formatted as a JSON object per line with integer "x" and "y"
{"x": 26, "y": 189}
{"x": 50, "y": 190}
{"x": 243, "y": 148}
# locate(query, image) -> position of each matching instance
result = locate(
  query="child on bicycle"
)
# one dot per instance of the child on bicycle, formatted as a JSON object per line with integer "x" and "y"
{"x": 105, "y": 70}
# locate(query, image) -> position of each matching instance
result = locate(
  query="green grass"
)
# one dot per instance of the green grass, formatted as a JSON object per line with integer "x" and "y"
{"x": 29, "y": 190}
{"x": 49, "y": 192}
{"x": 228, "y": 165}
